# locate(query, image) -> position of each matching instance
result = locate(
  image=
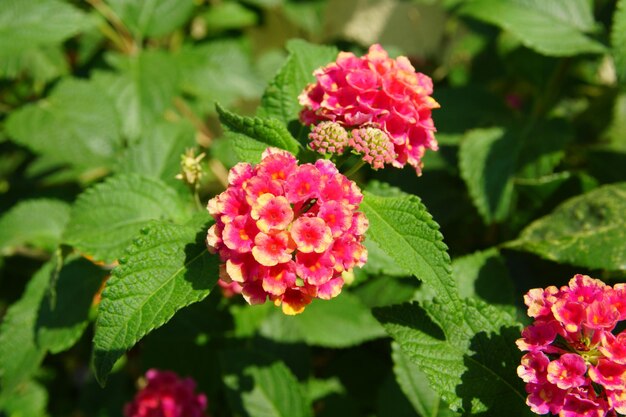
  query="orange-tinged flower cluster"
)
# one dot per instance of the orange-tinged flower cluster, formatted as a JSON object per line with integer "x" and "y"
{"x": 379, "y": 91}
{"x": 287, "y": 232}
{"x": 575, "y": 365}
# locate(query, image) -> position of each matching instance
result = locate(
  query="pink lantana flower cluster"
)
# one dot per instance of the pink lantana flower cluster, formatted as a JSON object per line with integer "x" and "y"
{"x": 287, "y": 232}
{"x": 378, "y": 91}
{"x": 167, "y": 395}
{"x": 575, "y": 365}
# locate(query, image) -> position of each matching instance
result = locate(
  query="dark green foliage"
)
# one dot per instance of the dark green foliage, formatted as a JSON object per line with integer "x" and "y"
{"x": 104, "y": 271}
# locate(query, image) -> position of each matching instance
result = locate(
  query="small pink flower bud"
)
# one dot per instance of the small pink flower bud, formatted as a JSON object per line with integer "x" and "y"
{"x": 328, "y": 138}
{"x": 374, "y": 144}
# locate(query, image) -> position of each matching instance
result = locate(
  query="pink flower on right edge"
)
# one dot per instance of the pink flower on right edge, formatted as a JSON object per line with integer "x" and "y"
{"x": 575, "y": 365}
{"x": 379, "y": 92}
{"x": 167, "y": 395}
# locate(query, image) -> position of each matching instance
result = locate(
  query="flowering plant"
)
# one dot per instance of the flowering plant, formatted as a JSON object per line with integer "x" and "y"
{"x": 575, "y": 365}
{"x": 247, "y": 220}
{"x": 287, "y": 231}
{"x": 378, "y": 91}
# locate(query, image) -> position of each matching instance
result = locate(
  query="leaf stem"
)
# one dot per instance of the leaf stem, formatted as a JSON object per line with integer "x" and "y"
{"x": 353, "y": 170}
{"x": 116, "y": 31}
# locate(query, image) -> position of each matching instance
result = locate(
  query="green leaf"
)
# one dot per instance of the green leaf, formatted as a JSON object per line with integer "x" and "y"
{"x": 29, "y": 400}
{"x": 378, "y": 262}
{"x": 43, "y": 64}
{"x": 28, "y": 24}
{"x": 20, "y": 355}
{"x": 266, "y": 130}
{"x": 37, "y": 223}
{"x": 618, "y": 39}
{"x": 341, "y": 322}
{"x": 158, "y": 151}
{"x": 220, "y": 71}
{"x": 588, "y": 231}
{"x": 542, "y": 149}
{"x": 62, "y": 318}
{"x": 391, "y": 401}
{"x": 414, "y": 384}
{"x": 472, "y": 369}
{"x": 166, "y": 269}
{"x": 484, "y": 275}
{"x": 246, "y": 148}
{"x": 142, "y": 89}
{"x": 152, "y": 18}
{"x": 226, "y": 16}
{"x": 261, "y": 387}
{"x": 403, "y": 228}
{"x": 280, "y": 99}
{"x": 554, "y": 28}
{"x": 75, "y": 124}
{"x": 384, "y": 290}
{"x": 487, "y": 159}
{"x": 107, "y": 216}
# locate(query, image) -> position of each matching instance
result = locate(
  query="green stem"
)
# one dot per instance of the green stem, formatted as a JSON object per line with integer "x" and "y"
{"x": 354, "y": 168}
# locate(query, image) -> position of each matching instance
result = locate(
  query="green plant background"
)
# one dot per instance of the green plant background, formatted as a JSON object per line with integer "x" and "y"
{"x": 100, "y": 98}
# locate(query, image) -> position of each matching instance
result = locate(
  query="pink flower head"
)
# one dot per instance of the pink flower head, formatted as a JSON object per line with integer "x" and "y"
{"x": 609, "y": 374}
{"x": 617, "y": 400}
{"x": 568, "y": 371}
{"x": 374, "y": 144}
{"x": 311, "y": 234}
{"x": 573, "y": 325}
{"x": 286, "y": 232}
{"x": 272, "y": 249}
{"x": 534, "y": 367}
{"x": 167, "y": 395}
{"x": 328, "y": 138}
{"x": 544, "y": 398}
{"x": 614, "y": 347}
{"x": 375, "y": 89}
{"x": 271, "y": 212}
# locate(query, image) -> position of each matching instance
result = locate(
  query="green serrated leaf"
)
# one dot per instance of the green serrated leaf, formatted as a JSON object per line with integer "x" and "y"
{"x": 415, "y": 386}
{"x": 220, "y": 71}
{"x": 158, "y": 151}
{"x": 341, "y": 322}
{"x": 554, "y": 28}
{"x": 378, "y": 262}
{"x": 259, "y": 386}
{"x": 266, "y": 130}
{"x": 246, "y": 148}
{"x": 20, "y": 354}
{"x": 403, "y": 228}
{"x": 37, "y": 223}
{"x": 142, "y": 89}
{"x": 487, "y": 159}
{"x": 384, "y": 290}
{"x": 280, "y": 99}
{"x": 62, "y": 319}
{"x": 152, "y": 18}
{"x": 75, "y": 124}
{"x": 474, "y": 369}
{"x": 484, "y": 275}
{"x": 29, "y": 400}
{"x": 166, "y": 269}
{"x": 618, "y": 39}
{"x": 27, "y": 24}
{"x": 107, "y": 216}
{"x": 588, "y": 230}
